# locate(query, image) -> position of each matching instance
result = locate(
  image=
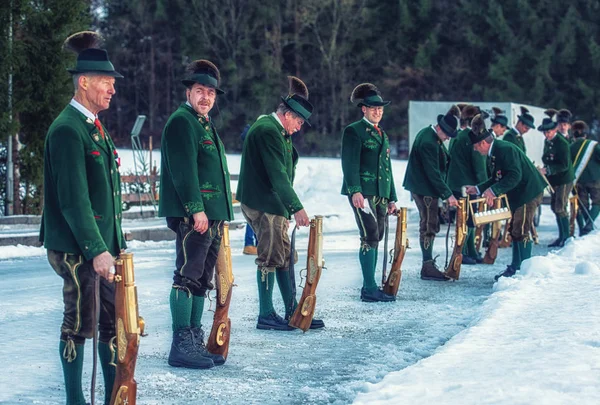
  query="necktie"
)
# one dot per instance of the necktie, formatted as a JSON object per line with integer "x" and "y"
{"x": 378, "y": 130}
{"x": 99, "y": 126}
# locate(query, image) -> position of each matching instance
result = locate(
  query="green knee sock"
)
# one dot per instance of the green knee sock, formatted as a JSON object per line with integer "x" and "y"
{"x": 72, "y": 372}
{"x": 525, "y": 250}
{"x": 197, "y": 308}
{"x": 368, "y": 262}
{"x": 265, "y": 292}
{"x": 285, "y": 287}
{"x": 580, "y": 221}
{"x": 560, "y": 228}
{"x": 181, "y": 309}
{"x": 108, "y": 371}
{"x": 516, "y": 255}
{"x": 427, "y": 252}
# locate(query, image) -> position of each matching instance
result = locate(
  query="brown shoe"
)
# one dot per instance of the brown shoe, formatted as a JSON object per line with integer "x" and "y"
{"x": 430, "y": 271}
{"x": 250, "y": 250}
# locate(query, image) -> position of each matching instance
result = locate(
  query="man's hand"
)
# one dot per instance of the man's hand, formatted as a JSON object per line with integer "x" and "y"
{"x": 391, "y": 208}
{"x": 452, "y": 201}
{"x": 542, "y": 170}
{"x": 471, "y": 190}
{"x": 489, "y": 197}
{"x": 103, "y": 264}
{"x": 200, "y": 222}
{"x": 301, "y": 218}
{"x": 358, "y": 200}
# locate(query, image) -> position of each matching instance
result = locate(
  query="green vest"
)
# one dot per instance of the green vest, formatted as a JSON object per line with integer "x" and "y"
{"x": 82, "y": 188}
{"x": 427, "y": 166}
{"x": 366, "y": 162}
{"x": 513, "y": 136}
{"x": 467, "y": 166}
{"x": 267, "y": 170}
{"x": 194, "y": 176}
{"x": 513, "y": 174}
{"x": 591, "y": 173}
{"x": 557, "y": 160}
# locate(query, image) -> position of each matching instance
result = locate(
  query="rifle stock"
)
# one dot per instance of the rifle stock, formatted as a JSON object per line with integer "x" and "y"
{"x": 506, "y": 239}
{"x": 479, "y": 229}
{"x": 574, "y": 205}
{"x": 453, "y": 269}
{"x": 130, "y": 326}
{"x": 218, "y": 341}
{"x": 392, "y": 283}
{"x": 305, "y": 310}
{"x": 492, "y": 251}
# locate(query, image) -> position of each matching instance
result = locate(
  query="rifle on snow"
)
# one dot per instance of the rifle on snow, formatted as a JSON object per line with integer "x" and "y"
{"x": 391, "y": 283}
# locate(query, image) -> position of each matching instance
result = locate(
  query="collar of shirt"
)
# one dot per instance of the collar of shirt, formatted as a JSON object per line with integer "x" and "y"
{"x": 79, "y": 107}
{"x": 368, "y": 122}
{"x": 207, "y": 118}
{"x": 491, "y": 146}
{"x": 274, "y": 115}
{"x": 517, "y": 131}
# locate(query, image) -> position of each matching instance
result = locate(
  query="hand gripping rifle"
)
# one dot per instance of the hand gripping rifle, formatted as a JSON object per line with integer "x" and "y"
{"x": 218, "y": 341}
{"x": 453, "y": 269}
{"x": 305, "y": 310}
{"x": 391, "y": 283}
{"x": 130, "y": 326}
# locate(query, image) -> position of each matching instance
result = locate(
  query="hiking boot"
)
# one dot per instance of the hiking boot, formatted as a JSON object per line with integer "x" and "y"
{"x": 198, "y": 335}
{"x": 430, "y": 271}
{"x": 375, "y": 295}
{"x": 479, "y": 258}
{"x": 557, "y": 243}
{"x": 184, "y": 353}
{"x": 250, "y": 250}
{"x": 272, "y": 322}
{"x": 317, "y": 324}
{"x": 509, "y": 272}
{"x": 468, "y": 260}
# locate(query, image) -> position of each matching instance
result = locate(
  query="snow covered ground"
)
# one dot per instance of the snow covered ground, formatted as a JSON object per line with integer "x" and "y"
{"x": 534, "y": 339}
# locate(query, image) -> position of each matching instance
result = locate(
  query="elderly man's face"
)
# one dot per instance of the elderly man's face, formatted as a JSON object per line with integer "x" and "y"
{"x": 482, "y": 147}
{"x": 202, "y": 98}
{"x": 373, "y": 114}
{"x": 292, "y": 122}
{"x": 98, "y": 91}
{"x": 563, "y": 127}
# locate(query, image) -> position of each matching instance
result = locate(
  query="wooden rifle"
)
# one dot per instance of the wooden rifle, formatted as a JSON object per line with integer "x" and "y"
{"x": 218, "y": 341}
{"x": 479, "y": 229}
{"x": 130, "y": 327}
{"x": 574, "y": 208}
{"x": 453, "y": 269}
{"x": 506, "y": 239}
{"x": 391, "y": 283}
{"x": 492, "y": 250}
{"x": 305, "y": 310}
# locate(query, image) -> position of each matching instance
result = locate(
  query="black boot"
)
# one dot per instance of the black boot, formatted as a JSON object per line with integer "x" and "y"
{"x": 430, "y": 271}
{"x": 198, "y": 335}
{"x": 184, "y": 352}
{"x": 317, "y": 324}
{"x": 375, "y": 295}
{"x": 272, "y": 322}
{"x": 509, "y": 272}
{"x": 468, "y": 260}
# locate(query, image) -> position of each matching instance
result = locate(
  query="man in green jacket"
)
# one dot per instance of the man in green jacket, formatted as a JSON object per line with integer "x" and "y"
{"x": 499, "y": 122}
{"x": 81, "y": 225}
{"x": 195, "y": 197}
{"x": 466, "y": 167}
{"x": 513, "y": 174}
{"x": 368, "y": 182}
{"x": 266, "y": 192}
{"x": 425, "y": 178}
{"x": 524, "y": 124}
{"x": 559, "y": 172}
{"x": 585, "y": 155}
{"x": 563, "y": 118}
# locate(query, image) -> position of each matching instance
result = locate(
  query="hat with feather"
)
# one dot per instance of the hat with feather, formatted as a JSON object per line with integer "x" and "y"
{"x": 368, "y": 95}
{"x": 499, "y": 117}
{"x": 580, "y": 129}
{"x": 449, "y": 122}
{"x": 467, "y": 113}
{"x": 564, "y": 115}
{"x": 90, "y": 58}
{"x": 297, "y": 98}
{"x": 526, "y": 118}
{"x": 478, "y": 130}
{"x": 550, "y": 122}
{"x": 203, "y": 72}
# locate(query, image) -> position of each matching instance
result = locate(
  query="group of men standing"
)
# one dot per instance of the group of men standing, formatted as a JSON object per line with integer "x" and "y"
{"x": 81, "y": 226}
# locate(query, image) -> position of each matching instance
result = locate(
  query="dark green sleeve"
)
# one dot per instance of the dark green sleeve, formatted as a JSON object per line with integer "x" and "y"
{"x": 67, "y": 160}
{"x": 181, "y": 153}
{"x": 561, "y": 162}
{"x": 273, "y": 156}
{"x": 511, "y": 172}
{"x": 351, "y": 148}
{"x": 431, "y": 158}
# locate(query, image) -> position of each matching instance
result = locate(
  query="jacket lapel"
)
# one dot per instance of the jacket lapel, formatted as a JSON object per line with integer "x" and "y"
{"x": 370, "y": 129}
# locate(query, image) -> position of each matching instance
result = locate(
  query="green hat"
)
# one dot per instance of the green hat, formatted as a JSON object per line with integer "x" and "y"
{"x": 564, "y": 115}
{"x": 526, "y": 118}
{"x": 203, "y": 72}
{"x": 366, "y": 94}
{"x": 579, "y": 129}
{"x": 297, "y": 99}
{"x": 548, "y": 124}
{"x": 449, "y": 121}
{"x": 499, "y": 117}
{"x": 90, "y": 58}
{"x": 478, "y": 130}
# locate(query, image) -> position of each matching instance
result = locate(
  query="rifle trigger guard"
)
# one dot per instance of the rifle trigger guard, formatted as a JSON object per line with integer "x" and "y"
{"x": 111, "y": 346}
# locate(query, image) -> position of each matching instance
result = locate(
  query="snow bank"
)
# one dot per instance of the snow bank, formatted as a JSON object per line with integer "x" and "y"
{"x": 10, "y": 252}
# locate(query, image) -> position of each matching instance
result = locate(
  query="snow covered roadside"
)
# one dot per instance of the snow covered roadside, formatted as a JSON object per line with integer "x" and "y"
{"x": 536, "y": 341}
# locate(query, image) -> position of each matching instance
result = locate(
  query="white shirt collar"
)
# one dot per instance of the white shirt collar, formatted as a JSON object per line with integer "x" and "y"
{"x": 79, "y": 107}
{"x": 189, "y": 105}
{"x": 517, "y": 131}
{"x": 368, "y": 122}
{"x": 491, "y": 146}
{"x": 274, "y": 115}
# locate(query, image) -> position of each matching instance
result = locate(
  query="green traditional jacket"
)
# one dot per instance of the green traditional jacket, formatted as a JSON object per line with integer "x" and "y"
{"x": 82, "y": 188}
{"x": 513, "y": 136}
{"x": 194, "y": 176}
{"x": 267, "y": 170}
{"x": 591, "y": 173}
{"x": 366, "y": 162}
{"x": 467, "y": 166}
{"x": 513, "y": 174}
{"x": 427, "y": 166}
{"x": 557, "y": 160}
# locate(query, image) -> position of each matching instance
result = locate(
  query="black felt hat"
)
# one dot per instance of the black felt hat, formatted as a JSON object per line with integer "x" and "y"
{"x": 90, "y": 58}
{"x": 297, "y": 98}
{"x": 526, "y": 118}
{"x": 367, "y": 94}
{"x": 449, "y": 122}
{"x": 499, "y": 117}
